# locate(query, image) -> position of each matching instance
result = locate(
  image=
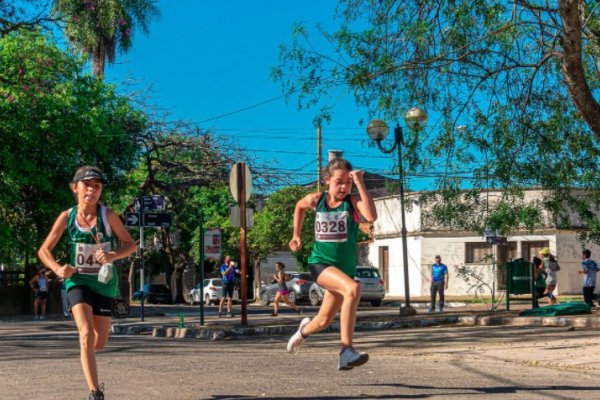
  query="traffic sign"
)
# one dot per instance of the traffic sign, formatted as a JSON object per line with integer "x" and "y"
{"x": 157, "y": 220}
{"x": 500, "y": 240}
{"x": 235, "y": 181}
{"x": 132, "y": 219}
{"x": 150, "y": 203}
{"x": 235, "y": 217}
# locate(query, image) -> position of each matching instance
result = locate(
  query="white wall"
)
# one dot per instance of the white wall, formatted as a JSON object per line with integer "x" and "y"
{"x": 396, "y": 264}
{"x": 389, "y": 217}
{"x": 568, "y": 252}
{"x": 452, "y": 251}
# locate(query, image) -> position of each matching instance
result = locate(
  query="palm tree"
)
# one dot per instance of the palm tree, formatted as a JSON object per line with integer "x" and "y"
{"x": 100, "y": 27}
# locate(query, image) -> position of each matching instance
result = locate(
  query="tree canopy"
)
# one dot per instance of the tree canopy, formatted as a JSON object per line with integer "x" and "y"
{"x": 54, "y": 118}
{"x": 511, "y": 86}
{"x": 101, "y": 27}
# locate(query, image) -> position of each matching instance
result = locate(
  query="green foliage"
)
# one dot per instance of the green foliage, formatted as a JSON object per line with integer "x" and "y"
{"x": 273, "y": 225}
{"x": 53, "y": 119}
{"x": 491, "y": 75}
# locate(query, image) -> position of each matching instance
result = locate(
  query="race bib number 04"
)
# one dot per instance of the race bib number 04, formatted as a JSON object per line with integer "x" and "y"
{"x": 331, "y": 226}
{"x": 85, "y": 258}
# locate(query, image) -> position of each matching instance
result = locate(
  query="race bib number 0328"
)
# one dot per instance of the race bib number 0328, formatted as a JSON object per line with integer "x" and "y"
{"x": 85, "y": 258}
{"x": 331, "y": 226}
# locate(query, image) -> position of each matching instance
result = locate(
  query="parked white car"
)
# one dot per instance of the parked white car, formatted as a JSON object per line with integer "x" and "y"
{"x": 212, "y": 292}
{"x": 371, "y": 287}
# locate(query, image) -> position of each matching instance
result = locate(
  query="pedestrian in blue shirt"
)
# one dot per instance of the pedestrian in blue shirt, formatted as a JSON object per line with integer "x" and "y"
{"x": 228, "y": 271}
{"x": 439, "y": 282}
{"x": 588, "y": 269}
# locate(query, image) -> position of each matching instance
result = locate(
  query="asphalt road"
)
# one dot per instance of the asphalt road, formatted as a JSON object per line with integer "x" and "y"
{"x": 41, "y": 361}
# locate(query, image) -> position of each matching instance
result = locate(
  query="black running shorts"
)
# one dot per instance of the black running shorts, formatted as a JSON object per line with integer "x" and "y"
{"x": 101, "y": 305}
{"x": 317, "y": 269}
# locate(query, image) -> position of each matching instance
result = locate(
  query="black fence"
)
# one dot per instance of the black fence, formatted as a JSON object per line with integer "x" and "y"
{"x": 12, "y": 278}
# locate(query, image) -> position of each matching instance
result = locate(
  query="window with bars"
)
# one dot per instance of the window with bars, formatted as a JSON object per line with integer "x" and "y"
{"x": 477, "y": 253}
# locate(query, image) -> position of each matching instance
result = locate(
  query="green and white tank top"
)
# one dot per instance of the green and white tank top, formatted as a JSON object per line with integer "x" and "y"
{"x": 336, "y": 231}
{"x": 82, "y": 249}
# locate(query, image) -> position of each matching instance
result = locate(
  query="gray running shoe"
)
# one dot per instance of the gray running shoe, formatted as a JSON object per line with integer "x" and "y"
{"x": 350, "y": 358}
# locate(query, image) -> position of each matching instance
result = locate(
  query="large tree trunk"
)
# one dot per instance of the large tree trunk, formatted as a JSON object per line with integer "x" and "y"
{"x": 98, "y": 59}
{"x": 572, "y": 66}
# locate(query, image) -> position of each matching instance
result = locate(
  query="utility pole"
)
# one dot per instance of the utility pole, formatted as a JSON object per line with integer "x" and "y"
{"x": 319, "y": 158}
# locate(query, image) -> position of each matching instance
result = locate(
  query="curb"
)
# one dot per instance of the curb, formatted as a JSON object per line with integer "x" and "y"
{"x": 209, "y": 333}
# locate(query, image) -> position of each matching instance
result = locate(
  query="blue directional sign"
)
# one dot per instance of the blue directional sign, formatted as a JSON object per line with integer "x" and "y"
{"x": 150, "y": 203}
{"x": 157, "y": 220}
{"x": 132, "y": 219}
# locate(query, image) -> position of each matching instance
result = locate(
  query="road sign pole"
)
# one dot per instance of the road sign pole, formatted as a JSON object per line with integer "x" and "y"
{"x": 201, "y": 239}
{"x": 142, "y": 268}
{"x": 244, "y": 285}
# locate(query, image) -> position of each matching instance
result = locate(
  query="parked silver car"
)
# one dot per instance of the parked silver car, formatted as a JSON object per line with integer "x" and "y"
{"x": 212, "y": 292}
{"x": 298, "y": 285}
{"x": 371, "y": 287}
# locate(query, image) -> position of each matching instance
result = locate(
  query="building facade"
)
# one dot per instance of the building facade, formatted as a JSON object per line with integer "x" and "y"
{"x": 463, "y": 251}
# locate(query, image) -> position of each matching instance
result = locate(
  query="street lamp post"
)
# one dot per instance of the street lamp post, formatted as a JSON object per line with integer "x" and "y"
{"x": 377, "y": 130}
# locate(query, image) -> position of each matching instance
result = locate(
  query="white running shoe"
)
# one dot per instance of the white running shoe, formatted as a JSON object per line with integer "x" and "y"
{"x": 349, "y": 358}
{"x": 296, "y": 340}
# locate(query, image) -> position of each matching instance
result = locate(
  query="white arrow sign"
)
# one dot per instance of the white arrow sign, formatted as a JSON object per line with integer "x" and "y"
{"x": 132, "y": 219}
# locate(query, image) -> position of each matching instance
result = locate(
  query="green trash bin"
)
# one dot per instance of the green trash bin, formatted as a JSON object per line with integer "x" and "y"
{"x": 518, "y": 279}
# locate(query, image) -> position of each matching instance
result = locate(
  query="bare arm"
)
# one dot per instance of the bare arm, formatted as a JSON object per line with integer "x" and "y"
{"x": 33, "y": 281}
{"x": 307, "y": 202}
{"x": 45, "y": 251}
{"x": 363, "y": 202}
{"x": 128, "y": 245}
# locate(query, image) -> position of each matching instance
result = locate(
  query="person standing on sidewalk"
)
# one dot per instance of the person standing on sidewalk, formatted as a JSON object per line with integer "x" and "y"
{"x": 227, "y": 270}
{"x": 332, "y": 261}
{"x": 282, "y": 290}
{"x": 588, "y": 269}
{"x": 439, "y": 282}
{"x": 39, "y": 284}
{"x": 90, "y": 277}
{"x": 550, "y": 265}
{"x": 539, "y": 276}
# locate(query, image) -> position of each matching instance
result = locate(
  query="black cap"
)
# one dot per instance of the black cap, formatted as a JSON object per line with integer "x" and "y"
{"x": 86, "y": 173}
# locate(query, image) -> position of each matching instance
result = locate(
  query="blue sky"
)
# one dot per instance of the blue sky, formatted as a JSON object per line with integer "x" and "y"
{"x": 204, "y": 59}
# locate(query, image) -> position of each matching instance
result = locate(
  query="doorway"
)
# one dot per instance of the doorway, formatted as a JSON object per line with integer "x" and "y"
{"x": 384, "y": 266}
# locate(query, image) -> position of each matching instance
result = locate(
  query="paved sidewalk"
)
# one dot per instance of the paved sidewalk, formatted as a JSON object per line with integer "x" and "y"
{"x": 166, "y": 323}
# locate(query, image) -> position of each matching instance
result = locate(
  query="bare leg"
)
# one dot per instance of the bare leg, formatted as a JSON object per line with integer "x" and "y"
{"x": 332, "y": 302}
{"x": 229, "y": 304}
{"x": 276, "y": 304}
{"x": 44, "y": 302}
{"x": 36, "y": 305}
{"x": 221, "y": 303}
{"x": 286, "y": 300}
{"x": 84, "y": 319}
{"x": 341, "y": 291}
{"x": 102, "y": 330}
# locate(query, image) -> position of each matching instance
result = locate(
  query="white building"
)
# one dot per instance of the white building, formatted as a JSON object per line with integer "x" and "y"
{"x": 459, "y": 248}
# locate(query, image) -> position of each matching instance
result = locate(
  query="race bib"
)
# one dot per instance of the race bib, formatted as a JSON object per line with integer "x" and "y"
{"x": 331, "y": 226}
{"x": 85, "y": 258}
